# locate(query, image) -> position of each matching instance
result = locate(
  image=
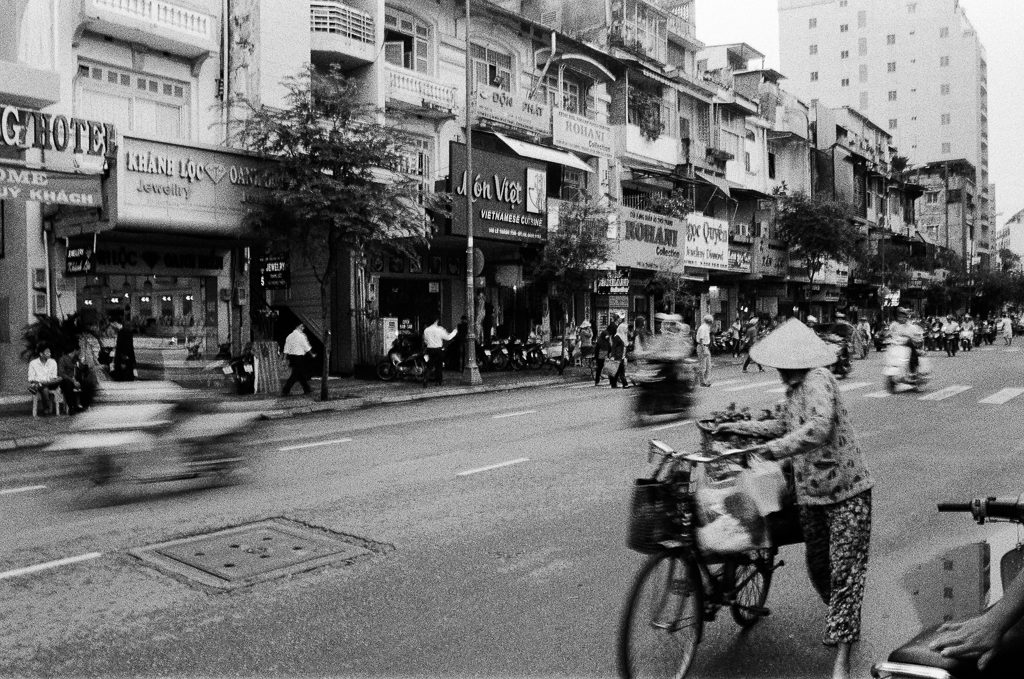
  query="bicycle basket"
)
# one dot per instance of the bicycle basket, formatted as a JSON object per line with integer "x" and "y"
{"x": 649, "y": 515}
{"x": 711, "y": 443}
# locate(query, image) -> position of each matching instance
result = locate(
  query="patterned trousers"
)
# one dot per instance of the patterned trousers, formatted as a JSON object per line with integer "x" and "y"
{"x": 838, "y": 537}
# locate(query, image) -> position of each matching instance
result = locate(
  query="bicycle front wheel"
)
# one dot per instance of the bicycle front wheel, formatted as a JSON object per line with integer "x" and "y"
{"x": 663, "y": 620}
{"x": 750, "y": 577}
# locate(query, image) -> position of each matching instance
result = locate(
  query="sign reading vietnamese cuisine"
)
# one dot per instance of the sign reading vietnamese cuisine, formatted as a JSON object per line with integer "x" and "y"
{"x": 579, "y": 133}
{"x": 707, "y": 242}
{"x": 647, "y": 240}
{"x": 20, "y": 184}
{"x": 511, "y": 108}
{"x": 509, "y": 196}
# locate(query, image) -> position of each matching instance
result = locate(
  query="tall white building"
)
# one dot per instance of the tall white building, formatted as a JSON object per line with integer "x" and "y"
{"x": 917, "y": 67}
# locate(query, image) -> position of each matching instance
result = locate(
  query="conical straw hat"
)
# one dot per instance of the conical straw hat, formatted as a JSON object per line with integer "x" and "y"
{"x": 793, "y": 346}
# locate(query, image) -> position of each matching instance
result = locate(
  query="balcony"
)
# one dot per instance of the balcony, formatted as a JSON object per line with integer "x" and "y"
{"x": 682, "y": 30}
{"x": 162, "y": 26}
{"x": 341, "y": 33}
{"x": 417, "y": 92}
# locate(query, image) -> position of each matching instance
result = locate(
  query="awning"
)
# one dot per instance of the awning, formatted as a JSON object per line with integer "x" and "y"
{"x": 543, "y": 153}
{"x": 738, "y": 188}
{"x": 718, "y": 182}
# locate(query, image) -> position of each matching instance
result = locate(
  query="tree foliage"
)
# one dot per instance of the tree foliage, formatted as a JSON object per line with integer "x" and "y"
{"x": 1008, "y": 260}
{"x": 335, "y": 192}
{"x": 816, "y": 230}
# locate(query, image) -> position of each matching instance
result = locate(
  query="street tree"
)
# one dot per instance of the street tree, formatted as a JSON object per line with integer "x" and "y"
{"x": 335, "y": 193}
{"x": 669, "y": 282}
{"x": 1008, "y": 260}
{"x": 816, "y": 230}
{"x": 575, "y": 251}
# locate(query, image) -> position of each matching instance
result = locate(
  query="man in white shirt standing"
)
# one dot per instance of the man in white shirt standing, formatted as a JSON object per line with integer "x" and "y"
{"x": 296, "y": 346}
{"x": 434, "y": 337}
{"x": 704, "y": 351}
{"x": 42, "y": 376}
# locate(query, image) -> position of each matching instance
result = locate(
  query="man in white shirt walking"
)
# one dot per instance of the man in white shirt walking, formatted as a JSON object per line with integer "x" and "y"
{"x": 434, "y": 337}
{"x": 704, "y": 351}
{"x": 296, "y": 347}
{"x": 42, "y": 376}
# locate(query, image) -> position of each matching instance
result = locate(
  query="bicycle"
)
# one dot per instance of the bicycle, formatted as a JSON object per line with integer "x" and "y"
{"x": 681, "y": 586}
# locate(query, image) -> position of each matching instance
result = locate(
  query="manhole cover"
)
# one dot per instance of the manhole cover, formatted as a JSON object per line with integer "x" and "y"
{"x": 251, "y": 553}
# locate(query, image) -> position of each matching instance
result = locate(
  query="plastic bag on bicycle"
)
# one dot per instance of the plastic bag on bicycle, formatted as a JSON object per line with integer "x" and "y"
{"x": 728, "y": 517}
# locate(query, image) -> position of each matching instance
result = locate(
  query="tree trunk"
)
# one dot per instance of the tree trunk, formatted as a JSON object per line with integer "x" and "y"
{"x": 325, "y": 317}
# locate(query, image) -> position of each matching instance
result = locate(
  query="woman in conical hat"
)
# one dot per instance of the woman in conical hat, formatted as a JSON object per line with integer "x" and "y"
{"x": 833, "y": 485}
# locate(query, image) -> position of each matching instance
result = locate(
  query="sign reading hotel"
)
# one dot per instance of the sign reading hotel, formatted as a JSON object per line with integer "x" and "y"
{"x": 512, "y": 109}
{"x": 647, "y": 240}
{"x": 21, "y": 128}
{"x": 707, "y": 242}
{"x": 509, "y": 196}
{"x": 579, "y": 133}
{"x": 183, "y": 188}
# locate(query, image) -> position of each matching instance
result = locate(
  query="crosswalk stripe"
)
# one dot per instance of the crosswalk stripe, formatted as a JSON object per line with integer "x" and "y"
{"x": 878, "y": 394}
{"x": 1010, "y": 350}
{"x": 728, "y": 382}
{"x": 943, "y": 394}
{"x": 755, "y": 385}
{"x": 1002, "y": 396}
{"x": 777, "y": 390}
{"x": 853, "y": 385}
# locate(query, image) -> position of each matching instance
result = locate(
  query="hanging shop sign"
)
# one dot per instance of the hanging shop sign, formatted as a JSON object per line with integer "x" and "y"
{"x": 614, "y": 283}
{"x": 833, "y": 273}
{"x": 707, "y": 242}
{"x": 647, "y": 240}
{"x": 20, "y": 184}
{"x": 739, "y": 260}
{"x": 768, "y": 259}
{"x": 579, "y": 133}
{"x": 187, "y": 189}
{"x": 81, "y": 258}
{"x": 509, "y": 196}
{"x": 23, "y": 129}
{"x": 273, "y": 270}
{"x": 113, "y": 257}
{"x": 512, "y": 109}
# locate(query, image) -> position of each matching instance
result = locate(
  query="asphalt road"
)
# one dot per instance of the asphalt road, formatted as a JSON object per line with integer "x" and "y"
{"x": 497, "y": 523}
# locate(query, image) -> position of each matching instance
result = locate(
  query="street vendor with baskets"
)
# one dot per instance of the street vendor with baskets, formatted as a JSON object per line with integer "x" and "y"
{"x": 833, "y": 485}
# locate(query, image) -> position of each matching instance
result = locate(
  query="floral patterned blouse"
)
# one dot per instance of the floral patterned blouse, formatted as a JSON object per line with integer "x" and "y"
{"x": 815, "y": 430}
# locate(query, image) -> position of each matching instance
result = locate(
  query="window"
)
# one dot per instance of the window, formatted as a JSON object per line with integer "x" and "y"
{"x": 814, "y": 49}
{"x": 491, "y": 67}
{"x": 843, "y": 3}
{"x": 943, "y": 61}
{"x": 891, "y": 67}
{"x": 415, "y": 162}
{"x": 862, "y": 46}
{"x": 407, "y": 41}
{"x": 814, "y": 76}
{"x": 135, "y": 102}
{"x": 946, "y": 119}
{"x": 944, "y": 32}
{"x": 932, "y": 197}
{"x": 862, "y": 19}
{"x": 863, "y": 101}
{"x": 862, "y": 72}
{"x": 812, "y": 23}
{"x": 771, "y": 165}
{"x": 845, "y": 54}
{"x": 946, "y": 147}
{"x": 892, "y": 95}
{"x": 843, "y": 28}
{"x": 570, "y": 99}
{"x": 911, "y": 8}
{"x": 746, "y": 160}
{"x": 890, "y": 39}
{"x": 944, "y": 88}
{"x": 845, "y": 82}
{"x": 892, "y": 123}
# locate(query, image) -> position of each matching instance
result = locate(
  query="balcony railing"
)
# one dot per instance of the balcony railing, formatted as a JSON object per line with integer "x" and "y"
{"x": 337, "y": 18}
{"x": 162, "y": 14}
{"x": 418, "y": 89}
{"x": 681, "y": 27}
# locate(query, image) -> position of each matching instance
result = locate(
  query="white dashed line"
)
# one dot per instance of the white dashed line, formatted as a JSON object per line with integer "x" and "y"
{"x": 23, "y": 489}
{"x": 672, "y": 425}
{"x": 943, "y": 394}
{"x": 725, "y": 383}
{"x": 49, "y": 564}
{"x": 312, "y": 445}
{"x": 515, "y": 414}
{"x": 1002, "y": 396}
{"x": 777, "y": 390}
{"x": 1010, "y": 350}
{"x": 755, "y": 385}
{"x": 853, "y": 385}
{"x": 583, "y": 386}
{"x": 878, "y": 394}
{"x": 493, "y": 466}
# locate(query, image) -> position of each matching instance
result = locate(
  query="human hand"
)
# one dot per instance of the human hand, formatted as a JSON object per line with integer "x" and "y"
{"x": 975, "y": 637}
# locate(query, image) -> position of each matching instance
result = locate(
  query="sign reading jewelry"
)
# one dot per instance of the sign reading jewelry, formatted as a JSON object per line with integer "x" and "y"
{"x": 707, "y": 242}
{"x": 509, "y": 196}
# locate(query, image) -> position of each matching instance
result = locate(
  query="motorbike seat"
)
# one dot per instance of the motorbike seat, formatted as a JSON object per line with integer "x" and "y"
{"x": 916, "y": 652}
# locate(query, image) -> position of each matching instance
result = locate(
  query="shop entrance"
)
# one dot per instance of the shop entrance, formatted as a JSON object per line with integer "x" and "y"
{"x": 415, "y": 303}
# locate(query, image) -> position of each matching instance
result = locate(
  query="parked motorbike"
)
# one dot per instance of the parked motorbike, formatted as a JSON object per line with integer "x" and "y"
{"x": 897, "y": 368}
{"x": 951, "y": 342}
{"x": 966, "y": 339}
{"x": 915, "y": 659}
{"x": 405, "y": 360}
{"x": 723, "y": 343}
{"x": 149, "y": 432}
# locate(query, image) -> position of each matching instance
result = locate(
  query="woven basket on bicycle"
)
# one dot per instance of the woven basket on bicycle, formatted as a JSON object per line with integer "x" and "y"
{"x": 650, "y": 511}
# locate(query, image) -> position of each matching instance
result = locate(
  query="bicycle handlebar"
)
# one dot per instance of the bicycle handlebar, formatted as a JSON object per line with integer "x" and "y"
{"x": 954, "y": 506}
{"x": 989, "y": 508}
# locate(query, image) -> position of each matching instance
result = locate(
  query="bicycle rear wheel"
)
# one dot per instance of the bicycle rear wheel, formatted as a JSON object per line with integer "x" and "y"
{"x": 663, "y": 620}
{"x": 750, "y": 577}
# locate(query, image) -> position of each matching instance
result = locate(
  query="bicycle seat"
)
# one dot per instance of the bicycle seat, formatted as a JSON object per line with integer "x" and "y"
{"x": 916, "y": 652}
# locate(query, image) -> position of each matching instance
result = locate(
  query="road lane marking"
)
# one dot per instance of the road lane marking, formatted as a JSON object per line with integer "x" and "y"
{"x": 583, "y": 386}
{"x": 777, "y": 390}
{"x": 49, "y": 564}
{"x": 755, "y": 385}
{"x": 673, "y": 425}
{"x": 878, "y": 394}
{"x": 725, "y": 383}
{"x": 853, "y": 385}
{"x": 1010, "y": 350}
{"x": 23, "y": 489}
{"x": 943, "y": 394}
{"x": 312, "y": 445}
{"x": 1002, "y": 396}
{"x": 515, "y": 414}
{"x": 518, "y": 460}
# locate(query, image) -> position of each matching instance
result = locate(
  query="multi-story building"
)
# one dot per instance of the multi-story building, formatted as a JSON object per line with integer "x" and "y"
{"x": 1011, "y": 237}
{"x": 947, "y": 212}
{"x": 915, "y": 66}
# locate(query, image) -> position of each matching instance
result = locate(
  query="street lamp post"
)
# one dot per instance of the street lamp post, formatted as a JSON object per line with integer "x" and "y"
{"x": 470, "y": 371}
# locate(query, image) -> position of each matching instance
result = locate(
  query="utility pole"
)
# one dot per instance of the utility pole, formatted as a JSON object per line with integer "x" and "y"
{"x": 471, "y": 372}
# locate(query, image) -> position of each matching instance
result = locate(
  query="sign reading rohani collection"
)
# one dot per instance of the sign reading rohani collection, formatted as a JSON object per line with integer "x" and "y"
{"x": 19, "y": 184}
{"x": 21, "y": 128}
{"x": 653, "y": 241}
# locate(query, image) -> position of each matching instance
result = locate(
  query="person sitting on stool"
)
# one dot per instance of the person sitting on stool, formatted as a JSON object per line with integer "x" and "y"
{"x": 42, "y": 376}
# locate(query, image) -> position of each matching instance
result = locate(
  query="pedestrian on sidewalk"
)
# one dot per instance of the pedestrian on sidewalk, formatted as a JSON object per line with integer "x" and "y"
{"x": 620, "y": 345}
{"x": 434, "y": 337}
{"x": 750, "y": 339}
{"x": 703, "y": 342}
{"x": 833, "y": 485}
{"x": 602, "y": 349}
{"x": 296, "y": 349}
{"x": 735, "y": 336}
{"x": 1006, "y": 327}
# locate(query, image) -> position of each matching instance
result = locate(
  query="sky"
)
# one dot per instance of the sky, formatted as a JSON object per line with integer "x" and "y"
{"x": 998, "y": 23}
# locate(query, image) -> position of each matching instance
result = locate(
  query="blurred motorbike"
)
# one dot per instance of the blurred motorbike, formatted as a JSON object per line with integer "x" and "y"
{"x": 664, "y": 390}
{"x": 897, "y": 368}
{"x": 405, "y": 360}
